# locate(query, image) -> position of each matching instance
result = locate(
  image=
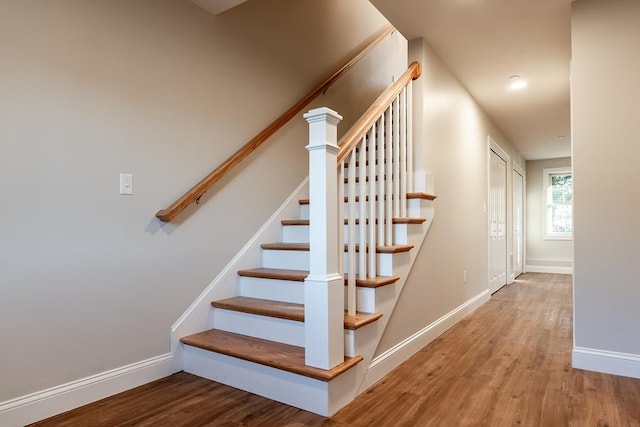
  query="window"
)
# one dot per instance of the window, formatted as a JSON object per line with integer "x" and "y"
{"x": 558, "y": 183}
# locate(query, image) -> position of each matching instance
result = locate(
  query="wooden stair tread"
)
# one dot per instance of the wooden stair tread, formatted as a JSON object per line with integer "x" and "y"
{"x": 286, "y": 246}
{"x": 269, "y": 353}
{"x": 395, "y": 221}
{"x": 410, "y": 196}
{"x": 300, "y": 275}
{"x": 421, "y": 195}
{"x": 388, "y": 249}
{"x": 287, "y": 310}
{"x": 359, "y": 320}
{"x": 275, "y": 273}
{"x": 262, "y": 307}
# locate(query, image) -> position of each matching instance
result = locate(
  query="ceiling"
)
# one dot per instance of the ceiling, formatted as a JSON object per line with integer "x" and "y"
{"x": 484, "y": 42}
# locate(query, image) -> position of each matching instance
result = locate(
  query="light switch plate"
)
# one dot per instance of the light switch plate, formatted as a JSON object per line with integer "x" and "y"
{"x": 126, "y": 183}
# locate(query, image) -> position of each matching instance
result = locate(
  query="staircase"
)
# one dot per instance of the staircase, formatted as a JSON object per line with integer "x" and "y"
{"x": 276, "y": 334}
{"x": 257, "y": 343}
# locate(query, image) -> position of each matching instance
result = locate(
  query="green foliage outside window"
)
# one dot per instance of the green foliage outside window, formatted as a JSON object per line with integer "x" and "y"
{"x": 561, "y": 203}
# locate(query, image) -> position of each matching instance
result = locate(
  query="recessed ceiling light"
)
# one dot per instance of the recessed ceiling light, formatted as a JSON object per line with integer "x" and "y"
{"x": 516, "y": 82}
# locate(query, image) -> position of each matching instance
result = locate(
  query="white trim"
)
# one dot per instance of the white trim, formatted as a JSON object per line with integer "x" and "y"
{"x": 548, "y": 269}
{"x": 608, "y": 362}
{"x": 55, "y": 400}
{"x": 493, "y": 145}
{"x": 385, "y": 362}
{"x": 520, "y": 171}
{"x": 556, "y": 266}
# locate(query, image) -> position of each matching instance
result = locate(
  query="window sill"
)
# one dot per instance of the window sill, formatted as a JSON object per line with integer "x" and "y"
{"x": 558, "y": 238}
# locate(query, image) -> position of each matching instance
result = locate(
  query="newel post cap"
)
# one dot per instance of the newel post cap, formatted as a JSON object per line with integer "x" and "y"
{"x": 323, "y": 114}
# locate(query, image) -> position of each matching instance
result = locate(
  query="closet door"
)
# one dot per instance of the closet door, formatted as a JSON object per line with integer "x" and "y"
{"x": 497, "y": 222}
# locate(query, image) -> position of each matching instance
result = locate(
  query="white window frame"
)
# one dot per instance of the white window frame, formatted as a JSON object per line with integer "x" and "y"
{"x": 546, "y": 184}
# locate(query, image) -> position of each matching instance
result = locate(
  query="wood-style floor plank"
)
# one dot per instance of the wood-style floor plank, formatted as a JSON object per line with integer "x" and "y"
{"x": 507, "y": 364}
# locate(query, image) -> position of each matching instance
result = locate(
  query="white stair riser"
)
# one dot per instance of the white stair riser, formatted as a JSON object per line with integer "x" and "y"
{"x": 355, "y": 340}
{"x": 282, "y": 386}
{"x": 416, "y": 208}
{"x": 288, "y": 260}
{"x": 420, "y": 208}
{"x": 300, "y": 233}
{"x": 365, "y": 299}
{"x": 295, "y": 233}
{"x": 277, "y": 290}
{"x": 299, "y": 260}
{"x": 265, "y": 327}
{"x": 304, "y": 211}
{"x": 290, "y": 291}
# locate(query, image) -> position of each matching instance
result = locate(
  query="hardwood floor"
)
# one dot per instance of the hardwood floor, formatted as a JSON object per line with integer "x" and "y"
{"x": 509, "y": 363}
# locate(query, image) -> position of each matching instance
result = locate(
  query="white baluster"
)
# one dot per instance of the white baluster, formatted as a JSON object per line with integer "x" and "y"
{"x": 362, "y": 217}
{"x": 381, "y": 180}
{"x": 351, "y": 232}
{"x": 372, "y": 201}
{"x": 340, "y": 211}
{"x": 396, "y": 157}
{"x": 403, "y": 153}
{"x": 389, "y": 178}
{"x": 410, "y": 137}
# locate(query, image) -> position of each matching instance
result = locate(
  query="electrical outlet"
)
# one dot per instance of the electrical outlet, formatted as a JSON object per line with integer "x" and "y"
{"x": 126, "y": 183}
{"x": 465, "y": 276}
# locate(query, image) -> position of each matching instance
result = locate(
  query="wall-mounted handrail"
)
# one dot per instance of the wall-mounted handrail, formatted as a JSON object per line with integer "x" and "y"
{"x": 359, "y": 129}
{"x": 207, "y": 182}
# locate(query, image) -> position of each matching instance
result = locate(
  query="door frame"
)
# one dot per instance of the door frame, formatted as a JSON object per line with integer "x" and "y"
{"x": 522, "y": 172}
{"x": 492, "y": 145}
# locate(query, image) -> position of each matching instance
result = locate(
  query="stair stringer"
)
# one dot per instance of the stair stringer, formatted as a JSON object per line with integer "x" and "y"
{"x": 365, "y": 340}
{"x": 197, "y": 317}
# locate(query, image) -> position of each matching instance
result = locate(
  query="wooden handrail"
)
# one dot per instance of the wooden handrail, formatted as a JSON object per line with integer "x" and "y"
{"x": 205, "y": 184}
{"x": 366, "y": 121}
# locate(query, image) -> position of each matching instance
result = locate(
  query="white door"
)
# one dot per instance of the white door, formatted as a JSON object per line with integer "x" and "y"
{"x": 518, "y": 224}
{"x": 497, "y": 222}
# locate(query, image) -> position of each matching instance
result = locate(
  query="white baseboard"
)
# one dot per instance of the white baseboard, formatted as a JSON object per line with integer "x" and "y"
{"x": 608, "y": 362}
{"x": 384, "y": 363}
{"x": 548, "y": 269}
{"x": 55, "y": 400}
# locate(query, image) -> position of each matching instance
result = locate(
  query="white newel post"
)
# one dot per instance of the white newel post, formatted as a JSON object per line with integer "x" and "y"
{"x": 324, "y": 287}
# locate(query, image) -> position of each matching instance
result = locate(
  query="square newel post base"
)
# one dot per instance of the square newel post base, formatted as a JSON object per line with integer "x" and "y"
{"x": 324, "y": 320}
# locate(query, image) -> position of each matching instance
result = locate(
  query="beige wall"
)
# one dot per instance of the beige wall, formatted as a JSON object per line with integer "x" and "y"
{"x": 544, "y": 255}
{"x": 606, "y": 164}
{"x": 454, "y": 133}
{"x": 89, "y": 279}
